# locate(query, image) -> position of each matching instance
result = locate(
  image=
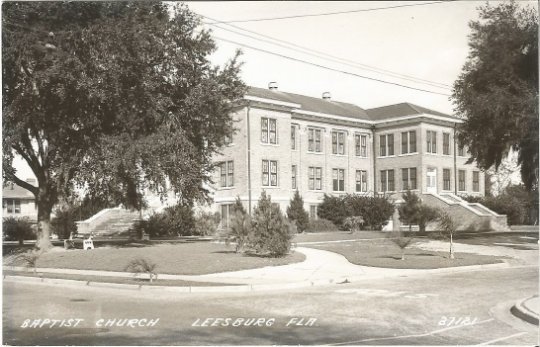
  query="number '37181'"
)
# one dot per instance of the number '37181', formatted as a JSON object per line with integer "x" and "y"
{"x": 453, "y": 321}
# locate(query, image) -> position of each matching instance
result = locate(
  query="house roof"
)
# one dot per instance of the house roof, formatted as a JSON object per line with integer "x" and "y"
{"x": 13, "y": 191}
{"x": 401, "y": 110}
{"x": 312, "y": 104}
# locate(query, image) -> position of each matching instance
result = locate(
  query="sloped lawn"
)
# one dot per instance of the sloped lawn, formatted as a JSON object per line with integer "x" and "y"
{"x": 196, "y": 258}
{"x": 384, "y": 253}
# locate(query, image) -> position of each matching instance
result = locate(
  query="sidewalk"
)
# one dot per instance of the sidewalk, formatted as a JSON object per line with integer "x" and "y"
{"x": 527, "y": 309}
{"x": 319, "y": 267}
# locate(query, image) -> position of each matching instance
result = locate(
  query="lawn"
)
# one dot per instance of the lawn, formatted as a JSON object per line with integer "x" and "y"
{"x": 384, "y": 253}
{"x": 120, "y": 280}
{"x": 338, "y": 236}
{"x": 197, "y": 258}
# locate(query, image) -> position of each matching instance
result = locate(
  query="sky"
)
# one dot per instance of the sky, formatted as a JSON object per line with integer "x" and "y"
{"x": 428, "y": 41}
{"x": 419, "y": 40}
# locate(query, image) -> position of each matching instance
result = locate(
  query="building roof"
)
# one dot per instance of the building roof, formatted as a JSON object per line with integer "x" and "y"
{"x": 401, "y": 110}
{"x": 13, "y": 191}
{"x": 312, "y": 104}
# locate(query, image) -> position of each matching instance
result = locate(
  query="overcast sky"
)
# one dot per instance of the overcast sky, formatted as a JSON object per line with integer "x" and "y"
{"x": 425, "y": 41}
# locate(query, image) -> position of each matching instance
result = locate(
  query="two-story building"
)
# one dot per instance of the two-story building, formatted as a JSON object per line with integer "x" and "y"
{"x": 286, "y": 142}
{"x": 18, "y": 202}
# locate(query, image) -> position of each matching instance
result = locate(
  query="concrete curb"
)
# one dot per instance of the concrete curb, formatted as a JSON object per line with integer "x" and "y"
{"x": 521, "y": 310}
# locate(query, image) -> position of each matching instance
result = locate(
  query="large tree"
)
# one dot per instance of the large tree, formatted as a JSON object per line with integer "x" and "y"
{"x": 497, "y": 92}
{"x": 113, "y": 97}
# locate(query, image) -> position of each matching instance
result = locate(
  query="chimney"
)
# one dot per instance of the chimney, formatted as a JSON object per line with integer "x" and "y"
{"x": 272, "y": 86}
{"x": 326, "y": 96}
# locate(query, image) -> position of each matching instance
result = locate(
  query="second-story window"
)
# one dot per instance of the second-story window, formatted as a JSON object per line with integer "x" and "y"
{"x": 408, "y": 142}
{"x": 268, "y": 130}
{"x": 338, "y": 180}
{"x": 431, "y": 141}
{"x": 314, "y": 140}
{"x": 338, "y": 142}
{"x": 386, "y": 145}
{"x": 360, "y": 145}
{"x": 269, "y": 173}
{"x": 315, "y": 178}
{"x": 293, "y": 137}
{"x": 446, "y": 143}
{"x": 226, "y": 170}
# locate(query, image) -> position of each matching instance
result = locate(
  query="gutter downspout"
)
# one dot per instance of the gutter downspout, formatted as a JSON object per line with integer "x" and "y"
{"x": 455, "y": 162}
{"x": 248, "y": 159}
{"x": 373, "y": 151}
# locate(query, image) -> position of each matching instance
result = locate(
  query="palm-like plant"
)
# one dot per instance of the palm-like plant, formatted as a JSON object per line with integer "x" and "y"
{"x": 141, "y": 265}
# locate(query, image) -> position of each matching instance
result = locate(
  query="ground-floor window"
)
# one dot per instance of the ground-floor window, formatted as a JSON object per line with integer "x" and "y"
{"x": 12, "y": 205}
{"x": 476, "y": 181}
{"x": 313, "y": 211}
{"x": 338, "y": 180}
{"x": 387, "y": 181}
{"x": 315, "y": 178}
{"x": 408, "y": 177}
{"x": 361, "y": 181}
{"x": 461, "y": 181}
{"x": 446, "y": 179}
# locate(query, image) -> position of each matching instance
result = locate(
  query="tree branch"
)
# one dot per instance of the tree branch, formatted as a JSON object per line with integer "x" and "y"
{"x": 24, "y": 184}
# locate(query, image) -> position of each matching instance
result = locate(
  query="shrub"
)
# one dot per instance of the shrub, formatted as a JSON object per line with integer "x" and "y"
{"x": 353, "y": 223}
{"x": 141, "y": 265}
{"x": 425, "y": 215}
{"x": 63, "y": 223}
{"x": 29, "y": 259}
{"x": 447, "y": 229}
{"x": 18, "y": 229}
{"x": 409, "y": 210}
{"x": 321, "y": 225}
{"x": 271, "y": 232}
{"x": 297, "y": 214}
{"x": 333, "y": 208}
{"x": 176, "y": 220}
{"x": 206, "y": 223}
{"x": 240, "y": 226}
{"x": 377, "y": 212}
{"x": 402, "y": 240}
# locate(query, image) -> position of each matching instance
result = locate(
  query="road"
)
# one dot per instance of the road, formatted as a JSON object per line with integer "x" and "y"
{"x": 405, "y": 310}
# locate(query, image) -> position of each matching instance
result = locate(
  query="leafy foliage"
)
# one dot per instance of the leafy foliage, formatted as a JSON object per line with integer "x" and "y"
{"x": 425, "y": 215}
{"x": 447, "y": 229}
{"x": 240, "y": 227}
{"x": 296, "y": 212}
{"x": 271, "y": 232}
{"x": 29, "y": 259}
{"x": 375, "y": 211}
{"x": 175, "y": 220}
{"x": 353, "y": 223}
{"x": 497, "y": 91}
{"x": 402, "y": 240}
{"x": 321, "y": 225}
{"x": 206, "y": 223}
{"x": 142, "y": 265}
{"x": 19, "y": 229}
{"x": 115, "y": 97}
{"x": 408, "y": 212}
{"x": 63, "y": 222}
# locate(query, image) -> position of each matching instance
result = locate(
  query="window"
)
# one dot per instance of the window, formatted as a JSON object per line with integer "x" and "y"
{"x": 408, "y": 142}
{"x": 361, "y": 181}
{"x": 461, "y": 180}
{"x": 338, "y": 142}
{"x": 408, "y": 176}
{"x": 226, "y": 171}
{"x": 360, "y": 144}
{"x": 293, "y": 173}
{"x": 387, "y": 180}
{"x": 226, "y": 212}
{"x": 12, "y": 205}
{"x": 387, "y": 145}
{"x": 315, "y": 178}
{"x": 461, "y": 149}
{"x": 338, "y": 180}
{"x": 446, "y": 144}
{"x": 314, "y": 140}
{"x": 431, "y": 138}
{"x": 313, "y": 212}
{"x": 293, "y": 137}
{"x": 268, "y": 130}
{"x": 446, "y": 180}
{"x": 269, "y": 173}
{"x": 476, "y": 181}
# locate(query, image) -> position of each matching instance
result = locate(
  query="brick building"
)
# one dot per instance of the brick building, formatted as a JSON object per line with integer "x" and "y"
{"x": 287, "y": 141}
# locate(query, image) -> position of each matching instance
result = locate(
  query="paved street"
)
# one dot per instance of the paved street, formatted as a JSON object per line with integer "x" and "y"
{"x": 404, "y": 310}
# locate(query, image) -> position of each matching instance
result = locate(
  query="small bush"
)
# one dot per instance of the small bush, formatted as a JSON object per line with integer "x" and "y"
{"x": 141, "y": 265}
{"x": 377, "y": 212}
{"x": 297, "y": 214}
{"x": 173, "y": 221}
{"x": 353, "y": 223}
{"x": 240, "y": 226}
{"x": 425, "y": 215}
{"x": 29, "y": 259}
{"x": 271, "y": 232}
{"x": 18, "y": 229}
{"x": 206, "y": 223}
{"x": 321, "y": 225}
{"x": 63, "y": 224}
{"x": 333, "y": 208}
{"x": 402, "y": 240}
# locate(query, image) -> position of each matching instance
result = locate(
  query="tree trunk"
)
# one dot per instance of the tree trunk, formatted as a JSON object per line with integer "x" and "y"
{"x": 451, "y": 247}
{"x": 44, "y": 221}
{"x": 403, "y": 254}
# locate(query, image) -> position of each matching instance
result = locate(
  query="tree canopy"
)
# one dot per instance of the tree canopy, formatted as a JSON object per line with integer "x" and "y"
{"x": 113, "y": 97}
{"x": 497, "y": 91}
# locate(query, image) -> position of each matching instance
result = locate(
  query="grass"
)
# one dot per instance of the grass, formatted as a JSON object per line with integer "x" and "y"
{"x": 119, "y": 280}
{"x": 338, "y": 236}
{"x": 197, "y": 258}
{"x": 383, "y": 253}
